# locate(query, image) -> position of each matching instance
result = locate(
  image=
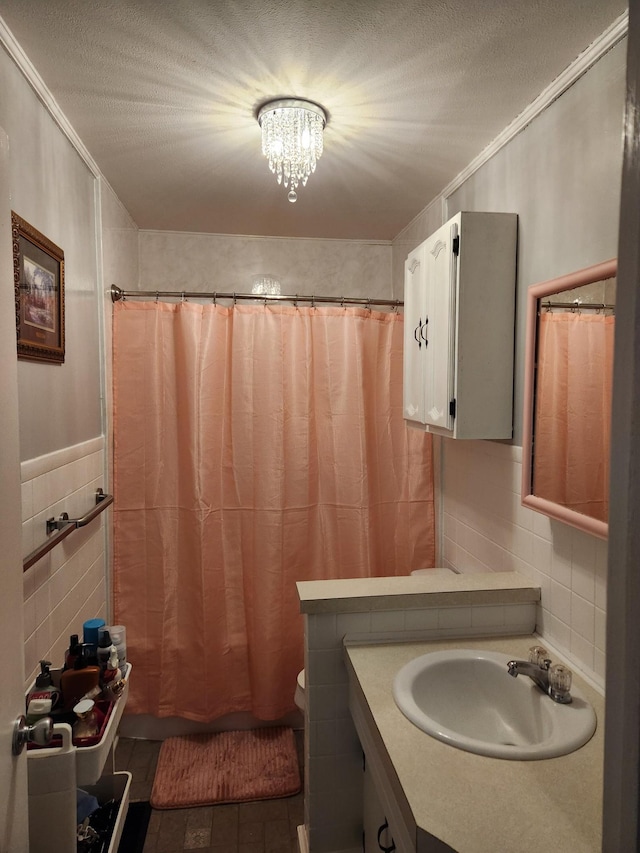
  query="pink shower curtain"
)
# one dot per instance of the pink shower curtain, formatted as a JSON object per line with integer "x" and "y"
{"x": 573, "y": 411}
{"x": 254, "y": 447}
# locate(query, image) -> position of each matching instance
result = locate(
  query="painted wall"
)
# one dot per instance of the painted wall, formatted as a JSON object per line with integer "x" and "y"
{"x": 561, "y": 174}
{"x": 71, "y": 583}
{"x": 120, "y": 267}
{"x": 60, "y": 407}
{"x": 54, "y": 191}
{"x": 226, "y": 263}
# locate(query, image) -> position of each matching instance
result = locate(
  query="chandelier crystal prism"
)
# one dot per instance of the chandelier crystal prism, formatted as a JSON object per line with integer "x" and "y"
{"x": 292, "y": 140}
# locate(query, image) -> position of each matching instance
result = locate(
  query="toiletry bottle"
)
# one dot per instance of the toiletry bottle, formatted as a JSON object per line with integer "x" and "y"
{"x": 119, "y": 639}
{"x": 112, "y": 670}
{"x": 90, "y": 634}
{"x": 88, "y": 722}
{"x": 89, "y": 654}
{"x": 104, "y": 648}
{"x": 72, "y": 652}
{"x": 77, "y": 682}
{"x": 44, "y": 688}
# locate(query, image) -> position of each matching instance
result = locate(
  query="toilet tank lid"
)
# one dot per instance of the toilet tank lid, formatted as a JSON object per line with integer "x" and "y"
{"x": 442, "y": 571}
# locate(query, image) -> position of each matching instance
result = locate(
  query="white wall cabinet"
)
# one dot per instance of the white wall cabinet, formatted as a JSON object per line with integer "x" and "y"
{"x": 459, "y": 314}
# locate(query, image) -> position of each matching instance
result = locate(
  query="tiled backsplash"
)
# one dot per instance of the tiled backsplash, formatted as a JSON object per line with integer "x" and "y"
{"x": 487, "y": 529}
{"x": 67, "y": 586}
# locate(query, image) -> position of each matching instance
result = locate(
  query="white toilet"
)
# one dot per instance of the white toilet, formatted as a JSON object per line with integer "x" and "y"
{"x": 299, "y": 694}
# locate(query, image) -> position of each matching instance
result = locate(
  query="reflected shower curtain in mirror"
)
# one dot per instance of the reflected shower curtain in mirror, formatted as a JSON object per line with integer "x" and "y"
{"x": 573, "y": 411}
{"x": 254, "y": 446}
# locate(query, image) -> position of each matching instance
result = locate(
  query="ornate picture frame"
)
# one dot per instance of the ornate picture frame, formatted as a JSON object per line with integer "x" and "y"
{"x": 38, "y": 281}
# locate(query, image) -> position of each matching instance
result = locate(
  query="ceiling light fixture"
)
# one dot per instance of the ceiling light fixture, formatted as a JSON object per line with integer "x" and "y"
{"x": 292, "y": 140}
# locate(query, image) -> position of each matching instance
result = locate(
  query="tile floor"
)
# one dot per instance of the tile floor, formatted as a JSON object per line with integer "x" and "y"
{"x": 268, "y": 826}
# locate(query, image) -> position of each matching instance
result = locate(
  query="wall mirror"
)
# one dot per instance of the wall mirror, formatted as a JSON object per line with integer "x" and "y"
{"x": 567, "y": 397}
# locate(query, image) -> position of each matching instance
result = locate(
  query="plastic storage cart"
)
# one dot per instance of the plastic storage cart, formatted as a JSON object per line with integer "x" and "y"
{"x": 56, "y": 773}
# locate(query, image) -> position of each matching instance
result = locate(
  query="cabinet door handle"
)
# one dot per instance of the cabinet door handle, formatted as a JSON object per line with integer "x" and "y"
{"x": 384, "y": 826}
{"x": 423, "y": 329}
{"x": 417, "y": 334}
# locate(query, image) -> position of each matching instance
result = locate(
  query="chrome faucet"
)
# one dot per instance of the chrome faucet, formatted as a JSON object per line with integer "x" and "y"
{"x": 554, "y": 680}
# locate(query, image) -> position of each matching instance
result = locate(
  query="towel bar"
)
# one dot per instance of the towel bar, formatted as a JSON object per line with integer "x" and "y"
{"x": 63, "y": 526}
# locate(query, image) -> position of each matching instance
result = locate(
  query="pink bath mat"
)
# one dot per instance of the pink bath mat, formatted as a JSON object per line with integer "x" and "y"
{"x": 226, "y": 767}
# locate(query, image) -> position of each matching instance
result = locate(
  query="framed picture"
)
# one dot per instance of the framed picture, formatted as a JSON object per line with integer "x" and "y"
{"x": 38, "y": 282}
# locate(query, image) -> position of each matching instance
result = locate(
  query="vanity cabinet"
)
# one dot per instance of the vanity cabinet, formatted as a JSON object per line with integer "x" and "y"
{"x": 441, "y": 799}
{"x": 377, "y": 833}
{"x": 459, "y": 312}
{"x": 388, "y": 822}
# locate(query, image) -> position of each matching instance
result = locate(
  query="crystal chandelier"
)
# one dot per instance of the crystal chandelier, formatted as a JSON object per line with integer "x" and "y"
{"x": 292, "y": 140}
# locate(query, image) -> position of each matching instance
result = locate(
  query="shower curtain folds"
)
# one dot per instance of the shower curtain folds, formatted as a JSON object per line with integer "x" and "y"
{"x": 254, "y": 446}
{"x": 573, "y": 411}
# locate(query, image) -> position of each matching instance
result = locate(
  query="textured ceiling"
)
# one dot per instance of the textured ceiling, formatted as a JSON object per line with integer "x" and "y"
{"x": 164, "y": 92}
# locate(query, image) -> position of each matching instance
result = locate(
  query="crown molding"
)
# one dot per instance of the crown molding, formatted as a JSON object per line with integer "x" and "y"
{"x": 17, "y": 54}
{"x": 596, "y": 50}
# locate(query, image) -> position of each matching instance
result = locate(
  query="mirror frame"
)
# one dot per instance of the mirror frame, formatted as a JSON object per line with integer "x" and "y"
{"x": 588, "y": 275}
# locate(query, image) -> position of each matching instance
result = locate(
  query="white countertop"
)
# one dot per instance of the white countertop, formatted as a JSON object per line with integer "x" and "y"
{"x": 477, "y": 804}
{"x": 427, "y": 590}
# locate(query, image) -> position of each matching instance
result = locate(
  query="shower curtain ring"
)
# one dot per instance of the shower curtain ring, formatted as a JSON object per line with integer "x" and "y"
{"x": 235, "y": 301}
{"x": 368, "y": 304}
{"x": 157, "y": 297}
{"x": 214, "y": 297}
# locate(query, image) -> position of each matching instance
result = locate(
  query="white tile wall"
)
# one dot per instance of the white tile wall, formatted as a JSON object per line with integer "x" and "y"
{"x": 487, "y": 529}
{"x": 67, "y": 586}
{"x": 333, "y": 756}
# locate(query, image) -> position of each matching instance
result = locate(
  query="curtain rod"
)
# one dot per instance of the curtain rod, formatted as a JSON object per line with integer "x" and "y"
{"x": 117, "y": 293}
{"x": 579, "y": 306}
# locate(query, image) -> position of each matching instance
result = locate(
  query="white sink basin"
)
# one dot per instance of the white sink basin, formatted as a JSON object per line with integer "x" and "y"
{"x": 467, "y": 698}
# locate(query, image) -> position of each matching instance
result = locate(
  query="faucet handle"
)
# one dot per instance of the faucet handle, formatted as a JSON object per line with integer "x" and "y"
{"x": 560, "y": 683}
{"x": 539, "y": 656}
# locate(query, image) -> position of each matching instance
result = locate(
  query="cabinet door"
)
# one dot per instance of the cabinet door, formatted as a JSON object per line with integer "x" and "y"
{"x": 440, "y": 270}
{"x": 377, "y": 832}
{"x": 415, "y": 306}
